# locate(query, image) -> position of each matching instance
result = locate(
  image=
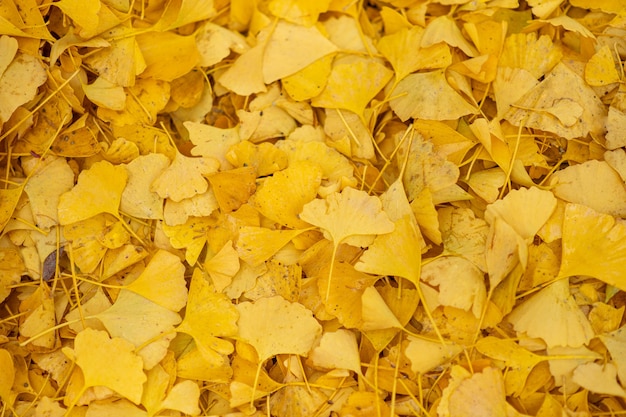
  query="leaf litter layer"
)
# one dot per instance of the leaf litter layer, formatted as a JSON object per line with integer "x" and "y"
{"x": 312, "y": 208}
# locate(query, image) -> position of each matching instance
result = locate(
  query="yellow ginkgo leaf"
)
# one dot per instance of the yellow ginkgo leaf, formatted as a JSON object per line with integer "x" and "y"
{"x": 303, "y": 45}
{"x": 167, "y": 55}
{"x": 163, "y": 281}
{"x": 415, "y": 93}
{"x": 99, "y": 190}
{"x": 309, "y": 81}
{"x": 204, "y": 302}
{"x": 140, "y": 321}
{"x": 425, "y": 354}
{"x": 480, "y": 394}
{"x": 593, "y": 184}
{"x": 43, "y": 195}
{"x": 211, "y": 141}
{"x": 137, "y": 199}
{"x": 403, "y": 51}
{"x": 184, "y": 178}
{"x": 352, "y": 217}
{"x": 245, "y": 76}
{"x": 7, "y": 376}
{"x": 444, "y": 29}
{"x": 464, "y": 234}
{"x": 158, "y": 395}
{"x": 232, "y": 188}
{"x": 19, "y": 83}
{"x": 601, "y": 379}
{"x": 191, "y": 235}
{"x": 525, "y": 210}
{"x": 274, "y": 325}
{"x": 282, "y": 196}
{"x": 256, "y": 245}
{"x": 594, "y": 244}
{"x": 567, "y": 326}
{"x": 397, "y": 253}
{"x": 223, "y": 266}
{"x": 337, "y": 350}
{"x": 123, "y": 372}
{"x": 486, "y": 183}
{"x": 375, "y": 313}
{"x": 615, "y": 342}
{"x": 505, "y": 249}
{"x": 461, "y": 283}
{"x": 301, "y": 12}
{"x": 352, "y": 83}
{"x": 264, "y": 157}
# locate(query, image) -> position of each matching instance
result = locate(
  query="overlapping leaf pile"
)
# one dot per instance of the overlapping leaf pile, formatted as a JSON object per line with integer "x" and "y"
{"x": 312, "y": 208}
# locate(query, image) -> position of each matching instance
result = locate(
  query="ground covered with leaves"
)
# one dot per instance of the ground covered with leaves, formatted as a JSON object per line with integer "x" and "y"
{"x": 312, "y": 208}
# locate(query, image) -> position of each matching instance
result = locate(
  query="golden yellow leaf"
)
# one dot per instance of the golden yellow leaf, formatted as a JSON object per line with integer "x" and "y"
{"x": 39, "y": 315}
{"x": 309, "y": 81}
{"x": 106, "y": 94}
{"x": 19, "y": 83}
{"x": 601, "y": 379}
{"x": 273, "y": 325}
{"x": 347, "y": 87}
{"x": 600, "y": 69}
{"x": 144, "y": 100}
{"x": 11, "y": 269}
{"x": 444, "y": 29}
{"x": 163, "y": 281}
{"x": 211, "y": 141}
{"x": 300, "y": 12}
{"x": 404, "y": 52}
{"x": 303, "y": 45}
{"x": 425, "y": 354}
{"x": 567, "y": 326}
{"x": 137, "y": 198}
{"x": 145, "y": 324}
{"x": 191, "y": 235}
{"x": 209, "y": 316}
{"x": 124, "y": 371}
{"x": 256, "y": 245}
{"x": 397, "y": 253}
{"x": 167, "y": 55}
{"x": 337, "y": 350}
{"x": 223, "y": 266}
{"x": 232, "y": 188}
{"x": 159, "y": 395}
{"x": 593, "y": 245}
{"x": 98, "y": 190}
{"x": 415, "y": 93}
{"x": 282, "y": 196}
{"x": 184, "y": 178}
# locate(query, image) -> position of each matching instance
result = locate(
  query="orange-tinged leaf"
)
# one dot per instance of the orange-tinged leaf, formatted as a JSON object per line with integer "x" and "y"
{"x": 232, "y": 188}
{"x": 98, "y": 190}
{"x": 7, "y": 376}
{"x": 274, "y": 325}
{"x": 123, "y": 372}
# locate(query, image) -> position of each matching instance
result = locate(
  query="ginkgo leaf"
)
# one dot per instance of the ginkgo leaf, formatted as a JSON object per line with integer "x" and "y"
{"x": 337, "y": 350}
{"x": 593, "y": 244}
{"x": 123, "y": 372}
{"x": 347, "y": 87}
{"x": 274, "y": 325}
{"x": 163, "y": 281}
{"x": 351, "y": 217}
{"x": 137, "y": 199}
{"x": 300, "y": 12}
{"x": 158, "y": 395}
{"x": 593, "y": 184}
{"x": 232, "y": 188}
{"x": 44, "y": 196}
{"x": 396, "y": 253}
{"x": 282, "y": 196}
{"x": 375, "y": 313}
{"x": 184, "y": 178}
{"x": 98, "y": 190}
{"x": 223, "y": 266}
{"x": 425, "y": 354}
{"x": 303, "y": 45}
{"x": 191, "y": 235}
{"x": 203, "y": 303}
{"x": 415, "y": 92}
{"x": 601, "y": 379}
{"x": 256, "y": 245}
{"x": 568, "y": 326}
{"x": 525, "y": 210}
{"x": 141, "y": 322}
{"x": 444, "y": 29}
{"x": 211, "y": 141}
{"x": 615, "y": 343}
